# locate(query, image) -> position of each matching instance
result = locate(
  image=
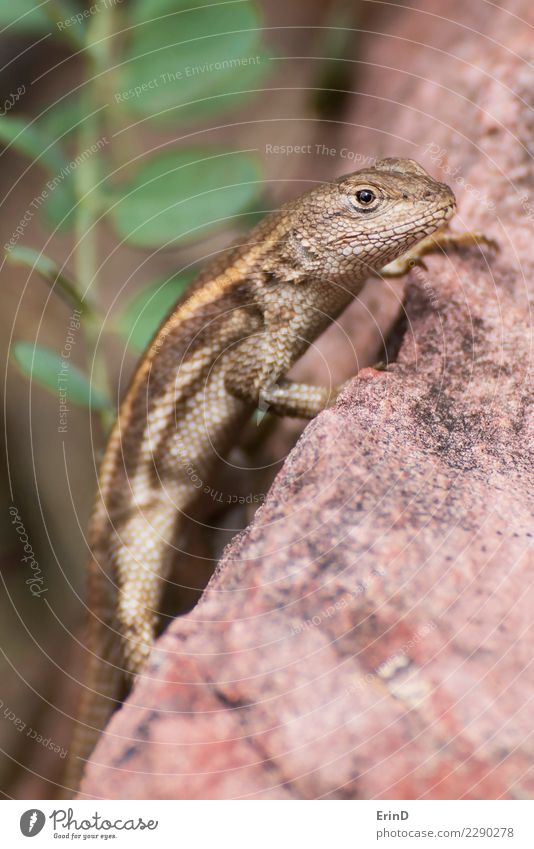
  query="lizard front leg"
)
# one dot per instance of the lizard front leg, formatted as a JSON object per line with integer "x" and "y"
{"x": 265, "y": 386}
{"x": 284, "y": 397}
{"x": 442, "y": 240}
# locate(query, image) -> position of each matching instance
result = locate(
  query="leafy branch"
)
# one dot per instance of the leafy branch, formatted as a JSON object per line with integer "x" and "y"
{"x": 156, "y": 64}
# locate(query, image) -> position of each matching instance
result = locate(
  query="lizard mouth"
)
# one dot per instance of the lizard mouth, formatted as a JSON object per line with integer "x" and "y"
{"x": 430, "y": 222}
{"x": 449, "y": 211}
{"x": 439, "y": 217}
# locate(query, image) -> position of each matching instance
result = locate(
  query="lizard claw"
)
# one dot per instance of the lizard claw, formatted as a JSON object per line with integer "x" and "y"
{"x": 418, "y": 262}
{"x": 487, "y": 241}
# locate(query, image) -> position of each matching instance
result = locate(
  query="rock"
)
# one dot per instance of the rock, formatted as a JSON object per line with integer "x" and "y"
{"x": 370, "y": 634}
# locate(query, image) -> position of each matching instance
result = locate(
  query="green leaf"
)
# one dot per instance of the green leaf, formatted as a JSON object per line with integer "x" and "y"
{"x": 188, "y": 51}
{"x": 175, "y": 195}
{"x": 27, "y": 139}
{"x": 147, "y": 10}
{"x": 22, "y": 16}
{"x": 145, "y": 311}
{"x": 54, "y": 373}
{"x": 51, "y": 272}
{"x": 57, "y": 199}
{"x": 62, "y": 118}
{"x": 58, "y": 208}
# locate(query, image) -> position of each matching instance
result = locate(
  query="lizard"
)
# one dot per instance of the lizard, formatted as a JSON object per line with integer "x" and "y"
{"x": 227, "y": 344}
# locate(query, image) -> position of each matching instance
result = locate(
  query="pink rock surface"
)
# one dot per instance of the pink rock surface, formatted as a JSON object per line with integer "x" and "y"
{"x": 370, "y": 634}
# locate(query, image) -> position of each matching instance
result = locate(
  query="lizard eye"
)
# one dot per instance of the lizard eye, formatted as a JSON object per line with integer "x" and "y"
{"x": 365, "y": 197}
{"x": 365, "y": 200}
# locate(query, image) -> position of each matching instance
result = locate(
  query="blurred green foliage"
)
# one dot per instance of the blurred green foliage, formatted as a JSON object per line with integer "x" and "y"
{"x": 44, "y": 366}
{"x": 143, "y": 312}
{"x": 163, "y": 63}
{"x": 174, "y": 195}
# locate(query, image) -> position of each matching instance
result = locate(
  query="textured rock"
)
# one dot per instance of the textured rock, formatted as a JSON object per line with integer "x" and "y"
{"x": 370, "y": 635}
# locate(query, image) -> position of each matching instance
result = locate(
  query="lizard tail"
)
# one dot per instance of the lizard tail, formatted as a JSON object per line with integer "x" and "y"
{"x": 102, "y": 682}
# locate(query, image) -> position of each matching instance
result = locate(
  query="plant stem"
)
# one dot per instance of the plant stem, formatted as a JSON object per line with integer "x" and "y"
{"x": 87, "y": 177}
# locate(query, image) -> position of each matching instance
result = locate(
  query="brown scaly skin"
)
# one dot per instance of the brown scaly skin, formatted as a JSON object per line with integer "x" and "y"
{"x": 225, "y": 348}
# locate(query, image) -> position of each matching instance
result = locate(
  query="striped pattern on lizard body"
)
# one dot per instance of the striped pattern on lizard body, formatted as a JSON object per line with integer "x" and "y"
{"x": 228, "y": 342}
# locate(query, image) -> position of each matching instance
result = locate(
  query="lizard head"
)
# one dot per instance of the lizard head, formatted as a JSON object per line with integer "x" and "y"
{"x": 371, "y": 217}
